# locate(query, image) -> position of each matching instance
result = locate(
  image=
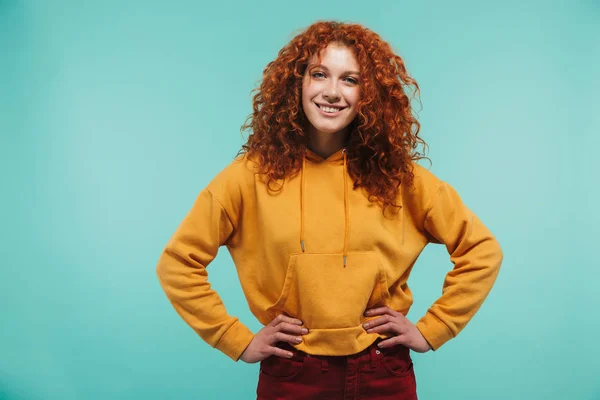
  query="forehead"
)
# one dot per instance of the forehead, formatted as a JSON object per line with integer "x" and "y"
{"x": 336, "y": 55}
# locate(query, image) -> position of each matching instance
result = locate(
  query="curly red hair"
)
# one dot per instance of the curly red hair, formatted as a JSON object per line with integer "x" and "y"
{"x": 383, "y": 136}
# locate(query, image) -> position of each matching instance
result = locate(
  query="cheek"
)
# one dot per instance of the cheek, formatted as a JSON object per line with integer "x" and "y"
{"x": 355, "y": 97}
{"x": 311, "y": 90}
{"x": 305, "y": 101}
{"x": 351, "y": 95}
{"x": 306, "y": 95}
{"x": 307, "y": 84}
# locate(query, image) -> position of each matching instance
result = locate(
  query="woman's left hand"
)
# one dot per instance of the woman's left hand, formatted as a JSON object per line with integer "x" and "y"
{"x": 404, "y": 331}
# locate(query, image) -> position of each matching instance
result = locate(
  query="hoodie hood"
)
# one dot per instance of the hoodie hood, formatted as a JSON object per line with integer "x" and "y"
{"x": 335, "y": 158}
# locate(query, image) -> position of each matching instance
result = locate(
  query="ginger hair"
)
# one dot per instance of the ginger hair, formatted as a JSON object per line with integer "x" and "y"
{"x": 383, "y": 137}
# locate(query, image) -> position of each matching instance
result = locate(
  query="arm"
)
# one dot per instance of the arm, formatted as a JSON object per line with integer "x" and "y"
{"x": 476, "y": 256}
{"x": 182, "y": 274}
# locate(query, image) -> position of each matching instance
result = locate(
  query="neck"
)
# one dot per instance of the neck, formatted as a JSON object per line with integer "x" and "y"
{"x": 325, "y": 144}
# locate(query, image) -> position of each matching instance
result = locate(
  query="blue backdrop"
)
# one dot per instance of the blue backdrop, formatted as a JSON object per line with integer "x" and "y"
{"x": 114, "y": 115}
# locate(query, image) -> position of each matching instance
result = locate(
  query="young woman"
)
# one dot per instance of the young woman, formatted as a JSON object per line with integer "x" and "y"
{"x": 325, "y": 213}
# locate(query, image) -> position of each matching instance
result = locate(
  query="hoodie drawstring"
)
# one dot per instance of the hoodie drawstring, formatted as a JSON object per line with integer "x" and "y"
{"x": 302, "y": 203}
{"x": 346, "y": 208}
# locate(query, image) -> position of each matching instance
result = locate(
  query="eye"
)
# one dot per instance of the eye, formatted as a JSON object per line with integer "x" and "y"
{"x": 351, "y": 80}
{"x": 317, "y": 75}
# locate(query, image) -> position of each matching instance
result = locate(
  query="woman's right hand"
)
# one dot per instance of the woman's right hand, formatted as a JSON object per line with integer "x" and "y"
{"x": 281, "y": 329}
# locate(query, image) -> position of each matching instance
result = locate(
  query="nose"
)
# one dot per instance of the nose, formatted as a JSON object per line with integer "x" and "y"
{"x": 331, "y": 93}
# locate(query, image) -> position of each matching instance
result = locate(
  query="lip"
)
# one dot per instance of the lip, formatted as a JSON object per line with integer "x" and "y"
{"x": 326, "y": 114}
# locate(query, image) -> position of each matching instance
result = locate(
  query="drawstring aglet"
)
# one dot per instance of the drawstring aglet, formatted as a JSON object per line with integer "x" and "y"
{"x": 302, "y": 245}
{"x": 344, "y": 261}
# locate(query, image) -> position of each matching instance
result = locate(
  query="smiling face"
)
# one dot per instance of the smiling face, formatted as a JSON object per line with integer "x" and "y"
{"x": 330, "y": 91}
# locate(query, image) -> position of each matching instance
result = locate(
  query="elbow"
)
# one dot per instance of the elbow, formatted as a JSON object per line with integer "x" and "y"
{"x": 162, "y": 265}
{"x": 158, "y": 270}
{"x": 499, "y": 251}
{"x": 497, "y": 255}
{"x": 163, "y": 275}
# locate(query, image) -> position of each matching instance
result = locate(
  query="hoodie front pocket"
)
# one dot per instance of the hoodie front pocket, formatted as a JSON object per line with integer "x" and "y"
{"x": 324, "y": 294}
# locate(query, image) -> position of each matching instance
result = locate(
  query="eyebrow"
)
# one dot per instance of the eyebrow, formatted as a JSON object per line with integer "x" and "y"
{"x": 327, "y": 69}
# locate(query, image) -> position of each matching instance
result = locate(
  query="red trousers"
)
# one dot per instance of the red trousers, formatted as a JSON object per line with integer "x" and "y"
{"x": 371, "y": 374}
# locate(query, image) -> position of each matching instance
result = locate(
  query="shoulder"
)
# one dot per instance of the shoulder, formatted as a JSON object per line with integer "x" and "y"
{"x": 423, "y": 189}
{"x": 234, "y": 180}
{"x": 425, "y": 182}
{"x": 240, "y": 168}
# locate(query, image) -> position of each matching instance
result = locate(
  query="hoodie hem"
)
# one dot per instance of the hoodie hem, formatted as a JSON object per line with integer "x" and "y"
{"x": 337, "y": 342}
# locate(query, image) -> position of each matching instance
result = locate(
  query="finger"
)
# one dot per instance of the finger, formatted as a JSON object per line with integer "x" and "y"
{"x": 389, "y": 327}
{"x": 396, "y": 340}
{"x": 378, "y": 321}
{"x": 276, "y": 351}
{"x": 283, "y": 337}
{"x": 290, "y": 328}
{"x": 382, "y": 311}
{"x": 284, "y": 318}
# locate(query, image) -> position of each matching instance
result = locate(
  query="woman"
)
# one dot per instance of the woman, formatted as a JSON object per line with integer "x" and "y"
{"x": 324, "y": 214}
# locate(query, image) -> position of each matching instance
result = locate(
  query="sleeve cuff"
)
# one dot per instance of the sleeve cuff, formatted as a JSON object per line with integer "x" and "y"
{"x": 435, "y": 332}
{"x": 235, "y": 340}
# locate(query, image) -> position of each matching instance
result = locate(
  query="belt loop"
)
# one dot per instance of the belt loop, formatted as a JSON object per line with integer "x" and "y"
{"x": 374, "y": 352}
{"x": 324, "y": 365}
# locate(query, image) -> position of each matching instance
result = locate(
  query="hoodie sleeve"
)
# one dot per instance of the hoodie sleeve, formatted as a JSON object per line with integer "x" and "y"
{"x": 476, "y": 256}
{"x": 182, "y": 274}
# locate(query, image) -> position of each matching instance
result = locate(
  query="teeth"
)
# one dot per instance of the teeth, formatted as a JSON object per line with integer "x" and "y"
{"x": 329, "y": 109}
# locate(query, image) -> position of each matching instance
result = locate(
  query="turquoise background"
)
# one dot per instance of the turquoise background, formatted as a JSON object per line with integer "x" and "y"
{"x": 114, "y": 115}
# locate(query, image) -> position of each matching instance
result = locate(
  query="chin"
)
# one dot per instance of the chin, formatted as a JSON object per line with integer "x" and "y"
{"x": 328, "y": 129}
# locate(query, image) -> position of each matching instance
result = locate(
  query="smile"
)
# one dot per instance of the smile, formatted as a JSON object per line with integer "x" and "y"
{"x": 329, "y": 109}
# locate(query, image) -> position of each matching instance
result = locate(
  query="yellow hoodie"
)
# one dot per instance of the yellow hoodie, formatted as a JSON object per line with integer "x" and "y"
{"x": 321, "y": 252}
